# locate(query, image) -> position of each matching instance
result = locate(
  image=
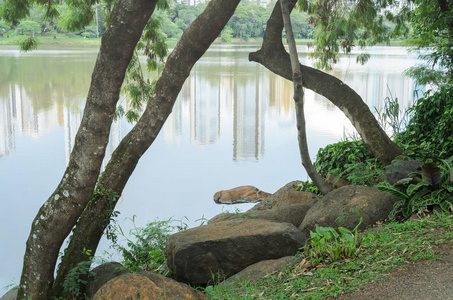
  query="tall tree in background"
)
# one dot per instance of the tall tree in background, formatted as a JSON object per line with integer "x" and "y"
{"x": 432, "y": 37}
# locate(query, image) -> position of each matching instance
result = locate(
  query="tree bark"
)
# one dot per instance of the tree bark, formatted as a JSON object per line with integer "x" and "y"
{"x": 193, "y": 44}
{"x": 274, "y": 57}
{"x": 299, "y": 102}
{"x": 60, "y": 212}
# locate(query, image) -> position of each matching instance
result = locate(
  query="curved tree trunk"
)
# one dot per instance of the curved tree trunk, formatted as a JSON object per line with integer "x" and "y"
{"x": 60, "y": 212}
{"x": 192, "y": 45}
{"x": 274, "y": 57}
{"x": 323, "y": 187}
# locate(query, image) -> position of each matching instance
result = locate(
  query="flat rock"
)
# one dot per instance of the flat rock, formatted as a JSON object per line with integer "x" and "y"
{"x": 242, "y": 194}
{"x": 207, "y": 253}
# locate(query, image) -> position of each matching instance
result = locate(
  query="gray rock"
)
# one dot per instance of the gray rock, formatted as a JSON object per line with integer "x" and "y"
{"x": 400, "y": 169}
{"x": 216, "y": 251}
{"x": 287, "y": 195}
{"x": 344, "y": 207}
{"x": 293, "y": 214}
{"x": 262, "y": 269}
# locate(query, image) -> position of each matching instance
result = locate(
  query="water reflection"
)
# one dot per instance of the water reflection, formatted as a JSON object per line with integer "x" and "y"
{"x": 47, "y": 89}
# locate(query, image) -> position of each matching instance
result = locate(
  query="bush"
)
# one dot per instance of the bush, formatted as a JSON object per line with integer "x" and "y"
{"x": 429, "y": 133}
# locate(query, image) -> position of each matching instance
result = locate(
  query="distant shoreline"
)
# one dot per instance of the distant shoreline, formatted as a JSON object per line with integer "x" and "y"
{"x": 65, "y": 40}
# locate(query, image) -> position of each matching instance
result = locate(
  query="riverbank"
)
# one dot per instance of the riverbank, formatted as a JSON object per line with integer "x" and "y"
{"x": 62, "y": 39}
{"x": 410, "y": 260}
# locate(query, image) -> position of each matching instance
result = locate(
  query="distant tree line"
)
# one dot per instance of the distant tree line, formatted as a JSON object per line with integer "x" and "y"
{"x": 249, "y": 21}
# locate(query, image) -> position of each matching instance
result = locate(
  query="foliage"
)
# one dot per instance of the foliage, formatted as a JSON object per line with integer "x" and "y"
{"x": 391, "y": 115}
{"x": 73, "y": 280}
{"x": 380, "y": 251}
{"x": 351, "y": 160}
{"x": 429, "y": 133}
{"x": 308, "y": 186}
{"x": 342, "y": 27}
{"x": 432, "y": 38}
{"x": 432, "y": 186}
{"x": 28, "y": 43}
{"x": 145, "y": 250}
{"x": 327, "y": 244}
{"x": 136, "y": 86}
{"x": 29, "y": 27}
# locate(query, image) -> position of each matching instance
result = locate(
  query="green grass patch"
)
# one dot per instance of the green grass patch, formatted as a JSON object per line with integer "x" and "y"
{"x": 60, "y": 39}
{"x": 380, "y": 250}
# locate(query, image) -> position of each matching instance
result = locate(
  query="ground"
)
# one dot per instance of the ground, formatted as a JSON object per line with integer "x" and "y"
{"x": 416, "y": 280}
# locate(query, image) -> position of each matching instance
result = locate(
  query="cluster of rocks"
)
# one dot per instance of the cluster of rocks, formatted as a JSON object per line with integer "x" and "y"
{"x": 243, "y": 246}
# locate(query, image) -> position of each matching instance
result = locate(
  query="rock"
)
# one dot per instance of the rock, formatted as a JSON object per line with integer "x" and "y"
{"x": 336, "y": 181}
{"x": 344, "y": 207}
{"x": 286, "y": 195}
{"x": 103, "y": 274}
{"x": 216, "y": 251}
{"x": 242, "y": 194}
{"x": 261, "y": 269}
{"x": 11, "y": 294}
{"x": 400, "y": 169}
{"x": 293, "y": 214}
{"x": 146, "y": 286}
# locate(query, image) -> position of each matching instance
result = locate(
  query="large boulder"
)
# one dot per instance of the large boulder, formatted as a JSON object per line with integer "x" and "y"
{"x": 287, "y": 195}
{"x": 344, "y": 207}
{"x": 217, "y": 251}
{"x": 242, "y": 194}
{"x": 102, "y": 274}
{"x": 293, "y": 214}
{"x": 146, "y": 286}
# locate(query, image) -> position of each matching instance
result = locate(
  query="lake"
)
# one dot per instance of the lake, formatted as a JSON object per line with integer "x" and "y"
{"x": 233, "y": 124}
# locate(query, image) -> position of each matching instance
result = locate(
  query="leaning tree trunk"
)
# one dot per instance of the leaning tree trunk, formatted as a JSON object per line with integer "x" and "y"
{"x": 192, "y": 45}
{"x": 274, "y": 57}
{"x": 299, "y": 102}
{"x": 60, "y": 212}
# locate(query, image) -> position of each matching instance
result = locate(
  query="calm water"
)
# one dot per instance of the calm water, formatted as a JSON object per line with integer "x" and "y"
{"x": 232, "y": 125}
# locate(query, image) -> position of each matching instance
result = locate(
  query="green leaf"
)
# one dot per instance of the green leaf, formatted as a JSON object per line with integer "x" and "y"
{"x": 432, "y": 174}
{"x": 388, "y": 188}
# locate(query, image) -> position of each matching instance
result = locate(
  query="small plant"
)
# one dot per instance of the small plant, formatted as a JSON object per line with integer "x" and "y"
{"x": 391, "y": 115}
{"x": 327, "y": 244}
{"x": 76, "y": 278}
{"x": 308, "y": 186}
{"x": 432, "y": 186}
{"x": 145, "y": 250}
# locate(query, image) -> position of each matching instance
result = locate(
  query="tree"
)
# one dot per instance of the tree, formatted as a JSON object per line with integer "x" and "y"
{"x": 273, "y": 56}
{"x": 299, "y": 102}
{"x": 432, "y": 37}
{"x": 60, "y": 212}
{"x": 29, "y": 27}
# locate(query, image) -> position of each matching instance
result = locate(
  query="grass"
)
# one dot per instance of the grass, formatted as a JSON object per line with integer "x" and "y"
{"x": 381, "y": 250}
{"x": 60, "y": 39}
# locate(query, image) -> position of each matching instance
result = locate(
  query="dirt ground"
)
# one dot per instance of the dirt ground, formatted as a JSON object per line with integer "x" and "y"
{"x": 416, "y": 280}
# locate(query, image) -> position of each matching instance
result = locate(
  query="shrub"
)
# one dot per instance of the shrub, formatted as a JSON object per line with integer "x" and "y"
{"x": 429, "y": 133}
